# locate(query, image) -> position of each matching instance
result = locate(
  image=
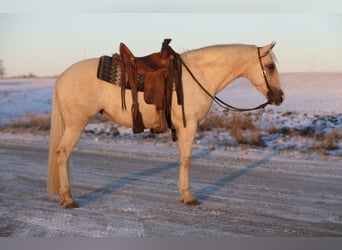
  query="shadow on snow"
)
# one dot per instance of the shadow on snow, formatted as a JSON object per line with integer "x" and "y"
{"x": 203, "y": 194}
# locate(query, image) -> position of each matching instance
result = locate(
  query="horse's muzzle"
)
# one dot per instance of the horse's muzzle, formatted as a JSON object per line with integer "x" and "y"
{"x": 276, "y": 97}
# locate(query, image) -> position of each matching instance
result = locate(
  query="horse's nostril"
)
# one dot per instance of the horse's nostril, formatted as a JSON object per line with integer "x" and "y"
{"x": 280, "y": 100}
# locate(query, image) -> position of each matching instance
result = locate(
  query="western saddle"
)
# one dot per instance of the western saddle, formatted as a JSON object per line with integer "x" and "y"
{"x": 161, "y": 72}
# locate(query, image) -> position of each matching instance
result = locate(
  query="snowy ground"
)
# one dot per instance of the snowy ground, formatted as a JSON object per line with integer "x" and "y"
{"x": 19, "y": 97}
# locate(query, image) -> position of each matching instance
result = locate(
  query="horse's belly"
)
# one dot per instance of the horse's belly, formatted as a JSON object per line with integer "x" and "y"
{"x": 151, "y": 117}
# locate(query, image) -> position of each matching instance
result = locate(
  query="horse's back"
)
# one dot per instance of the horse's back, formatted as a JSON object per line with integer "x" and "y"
{"x": 85, "y": 69}
{"x": 80, "y": 78}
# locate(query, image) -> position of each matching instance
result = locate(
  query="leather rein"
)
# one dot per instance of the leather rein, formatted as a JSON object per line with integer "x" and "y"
{"x": 225, "y": 105}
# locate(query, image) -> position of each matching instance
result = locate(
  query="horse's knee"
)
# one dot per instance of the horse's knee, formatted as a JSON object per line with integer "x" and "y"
{"x": 185, "y": 163}
{"x": 60, "y": 152}
{"x": 62, "y": 155}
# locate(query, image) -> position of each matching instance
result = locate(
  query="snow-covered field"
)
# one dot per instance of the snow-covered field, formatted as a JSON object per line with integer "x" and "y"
{"x": 19, "y": 97}
{"x": 309, "y": 120}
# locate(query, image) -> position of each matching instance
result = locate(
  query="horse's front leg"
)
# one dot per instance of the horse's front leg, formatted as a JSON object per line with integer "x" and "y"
{"x": 185, "y": 140}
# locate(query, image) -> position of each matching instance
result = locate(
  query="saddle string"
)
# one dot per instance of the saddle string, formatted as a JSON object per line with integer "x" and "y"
{"x": 219, "y": 101}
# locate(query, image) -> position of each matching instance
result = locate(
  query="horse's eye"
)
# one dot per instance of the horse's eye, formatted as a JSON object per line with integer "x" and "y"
{"x": 271, "y": 67}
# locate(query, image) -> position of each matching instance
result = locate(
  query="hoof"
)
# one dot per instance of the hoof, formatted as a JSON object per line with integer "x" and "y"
{"x": 193, "y": 203}
{"x": 68, "y": 203}
{"x": 71, "y": 205}
{"x": 188, "y": 199}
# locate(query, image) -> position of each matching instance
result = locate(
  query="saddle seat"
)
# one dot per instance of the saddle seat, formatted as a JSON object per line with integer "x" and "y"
{"x": 151, "y": 63}
{"x": 161, "y": 71}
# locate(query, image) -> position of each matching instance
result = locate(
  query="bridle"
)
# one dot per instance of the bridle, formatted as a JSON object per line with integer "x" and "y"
{"x": 264, "y": 73}
{"x": 225, "y": 105}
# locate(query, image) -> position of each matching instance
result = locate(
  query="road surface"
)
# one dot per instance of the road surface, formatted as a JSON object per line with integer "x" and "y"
{"x": 125, "y": 192}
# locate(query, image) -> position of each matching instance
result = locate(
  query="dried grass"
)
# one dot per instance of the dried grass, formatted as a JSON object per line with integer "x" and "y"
{"x": 31, "y": 123}
{"x": 241, "y": 127}
{"x": 330, "y": 140}
{"x": 272, "y": 130}
{"x": 213, "y": 120}
{"x": 242, "y": 121}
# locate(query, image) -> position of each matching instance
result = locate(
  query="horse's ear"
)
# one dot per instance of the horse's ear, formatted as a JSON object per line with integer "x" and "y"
{"x": 267, "y": 48}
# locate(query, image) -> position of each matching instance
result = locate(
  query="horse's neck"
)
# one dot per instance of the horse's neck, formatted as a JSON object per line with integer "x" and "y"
{"x": 217, "y": 66}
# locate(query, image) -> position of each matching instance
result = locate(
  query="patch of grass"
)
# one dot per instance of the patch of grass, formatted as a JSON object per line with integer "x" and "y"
{"x": 41, "y": 122}
{"x": 272, "y": 130}
{"x": 254, "y": 138}
{"x": 245, "y": 130}
{"x": 241, "y": 127}
{"x": 213, "y": 120}
{"x": 330, "y": 140}
{"x": 30, "y": 123}
{"x": 113, "y": 130}
{"x": 242, "y": 121}
{"x": 307, "y": 131}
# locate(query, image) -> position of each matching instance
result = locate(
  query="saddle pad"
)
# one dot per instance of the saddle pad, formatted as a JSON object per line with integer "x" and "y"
{"x": 110, "y": 72}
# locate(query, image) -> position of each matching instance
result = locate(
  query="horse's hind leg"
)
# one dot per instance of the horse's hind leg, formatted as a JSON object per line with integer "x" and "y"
{"x": 68, "y": 141}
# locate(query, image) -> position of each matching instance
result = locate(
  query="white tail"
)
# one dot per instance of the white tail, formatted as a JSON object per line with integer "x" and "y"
{"x": 56, "y": 132}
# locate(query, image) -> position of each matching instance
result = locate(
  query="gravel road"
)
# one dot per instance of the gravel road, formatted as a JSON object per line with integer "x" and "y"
{"x": 125, "y": 192}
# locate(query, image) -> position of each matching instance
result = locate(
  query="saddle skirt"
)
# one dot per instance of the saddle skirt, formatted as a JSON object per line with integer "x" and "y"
{"x": 110, "y": 72}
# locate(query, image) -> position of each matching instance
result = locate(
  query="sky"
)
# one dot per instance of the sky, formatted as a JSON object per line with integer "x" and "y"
{"x": 45, "y": 37}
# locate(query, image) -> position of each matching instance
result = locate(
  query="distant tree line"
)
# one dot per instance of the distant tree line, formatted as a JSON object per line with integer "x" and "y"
{"x": 2, "y": 69}
{"x": 3, "y": 72}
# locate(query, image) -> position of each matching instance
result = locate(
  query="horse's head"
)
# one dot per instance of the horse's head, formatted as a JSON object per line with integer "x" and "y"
{"x": 263, "y": 73}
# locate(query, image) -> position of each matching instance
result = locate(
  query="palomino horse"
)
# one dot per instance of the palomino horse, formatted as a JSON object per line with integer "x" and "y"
{"x": 79, "y": 96}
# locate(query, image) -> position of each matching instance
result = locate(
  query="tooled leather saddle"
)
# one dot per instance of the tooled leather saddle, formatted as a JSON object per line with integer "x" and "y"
{"x": 157, "y": 75}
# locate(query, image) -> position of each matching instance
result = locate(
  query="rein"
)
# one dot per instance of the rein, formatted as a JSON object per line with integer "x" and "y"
{"x": 219, "y": 101}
